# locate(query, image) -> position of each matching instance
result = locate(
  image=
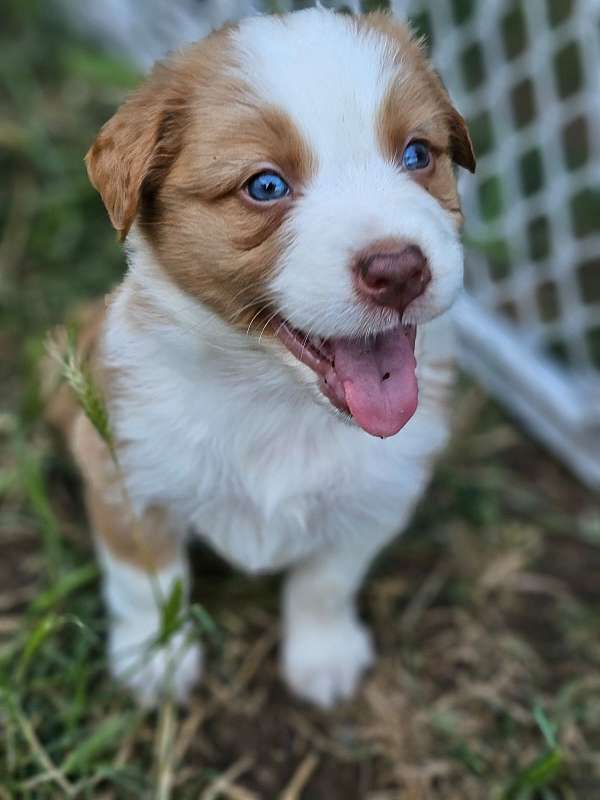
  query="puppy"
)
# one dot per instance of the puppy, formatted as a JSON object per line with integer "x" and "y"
{"x": 276, "y": 362}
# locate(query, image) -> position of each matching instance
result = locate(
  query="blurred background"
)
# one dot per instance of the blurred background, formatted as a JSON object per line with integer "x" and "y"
{"x": 487, "y": 613}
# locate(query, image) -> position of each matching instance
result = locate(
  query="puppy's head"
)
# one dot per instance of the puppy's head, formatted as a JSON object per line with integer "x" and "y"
{"x": 295, "y": 174}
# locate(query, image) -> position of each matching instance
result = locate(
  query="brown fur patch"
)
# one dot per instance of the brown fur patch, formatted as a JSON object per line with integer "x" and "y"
{"x": 215, "y": 245}
{"x": 418, "y": 106}
{"x": 145, "y": 541}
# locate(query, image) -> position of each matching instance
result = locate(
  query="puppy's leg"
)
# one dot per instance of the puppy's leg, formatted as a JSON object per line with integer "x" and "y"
{"x": 134, "y": 595}
{"x": 142, "y": 558}
{"x": 326, "y": 648}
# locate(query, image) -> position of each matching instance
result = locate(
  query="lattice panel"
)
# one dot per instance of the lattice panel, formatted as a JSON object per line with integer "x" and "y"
{"x": 527, "y": 77}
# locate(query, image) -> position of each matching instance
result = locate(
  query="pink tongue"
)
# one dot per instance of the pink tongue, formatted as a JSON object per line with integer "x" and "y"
{"x": 379, "y": 380}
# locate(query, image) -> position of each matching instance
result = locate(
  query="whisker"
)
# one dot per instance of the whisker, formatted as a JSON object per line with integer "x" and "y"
{"x": 304, "y": 343}
{"x": 260, "y": 299}
{"x": 245, "y": 290}
{"x": 258, "y": 313}
{"x": 272, "y": 317}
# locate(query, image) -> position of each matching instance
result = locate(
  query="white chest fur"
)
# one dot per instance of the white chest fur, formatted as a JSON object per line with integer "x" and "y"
{"x": 226, "y": 439}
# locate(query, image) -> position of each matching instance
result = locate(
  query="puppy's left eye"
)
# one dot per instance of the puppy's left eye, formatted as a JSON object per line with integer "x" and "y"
{"x": 417, "y": 155}
{"x": 267, "y": 186}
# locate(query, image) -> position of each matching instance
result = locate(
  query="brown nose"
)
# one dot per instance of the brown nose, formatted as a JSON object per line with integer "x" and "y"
{"x": 392, "y": 277}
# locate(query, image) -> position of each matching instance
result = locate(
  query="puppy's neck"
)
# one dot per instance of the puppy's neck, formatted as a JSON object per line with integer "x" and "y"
{"x": 156, "y": 306}
{"x": 165, "y": 326}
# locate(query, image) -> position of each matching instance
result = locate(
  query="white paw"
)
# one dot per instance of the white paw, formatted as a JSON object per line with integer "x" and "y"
{"x": 324, "y": 661}
{"x": 153, "y": 672}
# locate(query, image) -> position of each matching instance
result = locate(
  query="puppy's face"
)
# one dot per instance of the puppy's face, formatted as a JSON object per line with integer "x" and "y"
{"x": 295, "y": 175}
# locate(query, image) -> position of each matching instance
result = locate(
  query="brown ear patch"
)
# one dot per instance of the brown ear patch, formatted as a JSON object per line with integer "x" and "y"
{"x": 139, "y": 139}
{"x": 461, "y": 145}
{"x": 137, "y": 146}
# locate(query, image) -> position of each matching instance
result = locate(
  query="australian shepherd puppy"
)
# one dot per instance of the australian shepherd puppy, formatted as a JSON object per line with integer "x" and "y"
{"x": 276, "y": 361}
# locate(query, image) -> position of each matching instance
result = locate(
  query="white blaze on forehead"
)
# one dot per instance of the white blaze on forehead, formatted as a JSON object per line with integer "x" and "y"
{"x": 328, "y": 76}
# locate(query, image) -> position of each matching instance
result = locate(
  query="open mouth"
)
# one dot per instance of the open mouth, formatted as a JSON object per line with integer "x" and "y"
{"x": 372, "y": 379}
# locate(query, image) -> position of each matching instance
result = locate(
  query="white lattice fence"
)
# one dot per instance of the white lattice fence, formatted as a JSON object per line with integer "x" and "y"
{"x": 526, "y": 75}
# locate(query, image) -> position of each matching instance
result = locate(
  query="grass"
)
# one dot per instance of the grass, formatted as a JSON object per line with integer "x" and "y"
{"x": 486, "y": 614}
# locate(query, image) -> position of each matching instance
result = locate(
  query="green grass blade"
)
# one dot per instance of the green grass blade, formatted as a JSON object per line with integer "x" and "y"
{"x": 100, "y": 742}
{"x": 539, "y": 774}
{"x": 171, "y": 618}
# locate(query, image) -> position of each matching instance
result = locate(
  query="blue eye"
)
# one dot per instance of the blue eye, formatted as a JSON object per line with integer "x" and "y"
{"x": 416, "y": 156}
{"x": 267, "y": 186}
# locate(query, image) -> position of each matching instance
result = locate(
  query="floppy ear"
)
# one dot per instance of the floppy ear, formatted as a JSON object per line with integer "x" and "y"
{"x": 461, "y": 146}
{"x": 137, "y": 143}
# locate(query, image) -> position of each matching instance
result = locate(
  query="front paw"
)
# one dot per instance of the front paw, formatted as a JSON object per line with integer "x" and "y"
{"x": 153, "y": 671}
{"x": 323, "y": 661}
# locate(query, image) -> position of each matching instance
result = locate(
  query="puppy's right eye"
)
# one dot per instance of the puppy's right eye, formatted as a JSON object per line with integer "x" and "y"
{"x": 267, "y": 186}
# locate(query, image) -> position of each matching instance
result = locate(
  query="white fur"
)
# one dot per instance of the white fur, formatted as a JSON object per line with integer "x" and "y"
{"x": 230, "y": 433}
{"x": 220, "y": 432}
{"x": 134, "y": 599}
